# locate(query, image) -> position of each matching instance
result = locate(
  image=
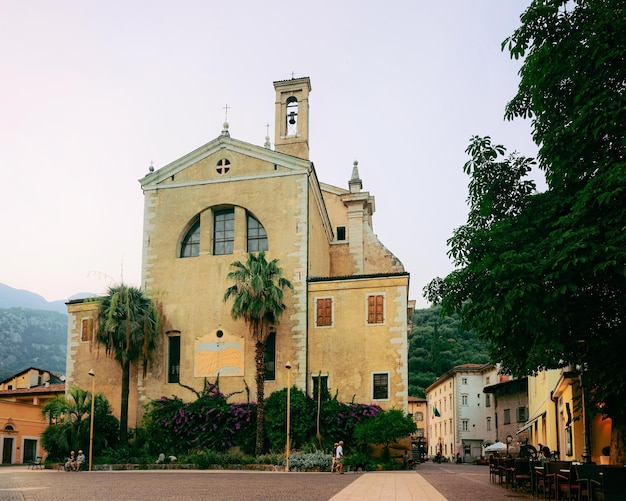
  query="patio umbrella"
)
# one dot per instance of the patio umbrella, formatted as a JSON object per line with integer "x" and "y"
{"x": 497, "y": 447}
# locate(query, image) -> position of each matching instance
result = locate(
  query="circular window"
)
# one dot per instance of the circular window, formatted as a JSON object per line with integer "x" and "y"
{"x": 223, "y": 166}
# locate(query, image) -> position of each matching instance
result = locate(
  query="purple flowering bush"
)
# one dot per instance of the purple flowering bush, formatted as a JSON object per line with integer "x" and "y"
{"x": 211, "y": 423}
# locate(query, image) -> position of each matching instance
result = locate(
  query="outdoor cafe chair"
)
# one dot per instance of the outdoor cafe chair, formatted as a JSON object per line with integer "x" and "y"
{"x": 613, "y": 484}
{"x": 493, "y": 468}
{"x": 589, "y": 480}
{"x": 552, "y": 469}
{"x": 536, "y": 477}
{"x": 567, "y": 484}
{"x": 521, "y": 473}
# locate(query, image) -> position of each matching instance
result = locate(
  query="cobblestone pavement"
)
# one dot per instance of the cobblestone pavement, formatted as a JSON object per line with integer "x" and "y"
{"x": 467, "y": 482}
{"x": 454, "y": 483}
{"x": 46, "y": 485}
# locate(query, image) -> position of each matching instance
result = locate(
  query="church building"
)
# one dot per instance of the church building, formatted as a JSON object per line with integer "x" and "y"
{"x": 345, "y": 324}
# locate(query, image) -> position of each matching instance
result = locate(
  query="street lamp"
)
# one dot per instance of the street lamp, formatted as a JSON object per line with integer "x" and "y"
{"x": 288, "y": 367}
{"x": 93, "y": 401}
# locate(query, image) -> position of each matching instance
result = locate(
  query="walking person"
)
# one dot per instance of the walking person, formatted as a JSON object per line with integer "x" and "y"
{"x": 339, "y": 457}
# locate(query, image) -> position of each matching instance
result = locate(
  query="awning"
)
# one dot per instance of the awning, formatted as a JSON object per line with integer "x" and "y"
{"x": 530, "y": 423}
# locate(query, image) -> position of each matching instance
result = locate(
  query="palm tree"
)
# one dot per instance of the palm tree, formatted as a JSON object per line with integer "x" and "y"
{"x": 69, "y": 420}
{"x": 128, "y": 324}
{"x": 258, "y": 299}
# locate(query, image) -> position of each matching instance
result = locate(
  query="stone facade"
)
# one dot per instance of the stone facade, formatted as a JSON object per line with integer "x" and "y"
{"x": 345, "y": 325}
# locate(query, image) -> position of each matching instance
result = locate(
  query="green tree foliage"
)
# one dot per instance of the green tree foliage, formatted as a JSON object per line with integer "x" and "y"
{"x": 258, "y": 299}
{"x": 386, "y": 427}
{"x": 70, "y": 420}
{"x": 542, "y": 275}
{"x": 437, "y": 343}
{"x": 302, "y": 426}
{"x": 128, "y": 324}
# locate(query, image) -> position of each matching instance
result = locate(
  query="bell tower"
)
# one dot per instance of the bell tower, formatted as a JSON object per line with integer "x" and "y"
{"x": 291, "y": 133}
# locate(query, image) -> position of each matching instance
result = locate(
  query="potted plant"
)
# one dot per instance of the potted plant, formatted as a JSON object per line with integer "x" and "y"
{"x": 606, "y": 452}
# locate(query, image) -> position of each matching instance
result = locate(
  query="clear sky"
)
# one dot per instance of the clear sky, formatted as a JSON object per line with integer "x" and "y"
{"x": 92, "y": 92}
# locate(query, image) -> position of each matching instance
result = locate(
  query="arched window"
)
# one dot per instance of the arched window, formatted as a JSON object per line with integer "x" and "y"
{"x": 257, "y": 236}
{"x": 190, "y": 246}
{"x": 292, "y": 116}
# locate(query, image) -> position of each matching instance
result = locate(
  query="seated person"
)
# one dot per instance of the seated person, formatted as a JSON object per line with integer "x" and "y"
{"x": 69, "y": 462}
{"x": 80, "y": 459}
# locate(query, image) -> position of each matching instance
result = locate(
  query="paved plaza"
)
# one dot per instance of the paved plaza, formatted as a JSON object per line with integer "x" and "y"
{"x": 430, "y": 482}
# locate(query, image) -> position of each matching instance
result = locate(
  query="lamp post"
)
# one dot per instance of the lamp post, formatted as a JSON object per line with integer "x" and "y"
{"x": 288, "y": 367}
{"x": 92, "y": 374}
{"x": 509, "y": 439}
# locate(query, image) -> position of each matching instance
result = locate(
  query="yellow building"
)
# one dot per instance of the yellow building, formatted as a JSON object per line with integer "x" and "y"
{"x": 22, "y": 397}
{"x": 345, "y": 325}
{"x": 555, "y": 400}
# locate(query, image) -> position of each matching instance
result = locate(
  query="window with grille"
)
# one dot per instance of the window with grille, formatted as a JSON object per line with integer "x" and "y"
{"x": 324, "y": 312}
{"x": 375, "y": 309}
{"x": 381, "y": 386}
{"x": 320, "y": 383}
{"x": 522, "y": 414}
{"x": 507, "y": 416}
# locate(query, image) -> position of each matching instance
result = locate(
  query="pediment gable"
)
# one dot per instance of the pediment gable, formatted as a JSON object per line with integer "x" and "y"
{"x": 224, "y": 159}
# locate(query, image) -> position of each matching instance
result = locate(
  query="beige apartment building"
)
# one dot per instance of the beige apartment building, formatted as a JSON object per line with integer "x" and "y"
{"x": 461, "y": 417}
{"x": 345, "y": 325}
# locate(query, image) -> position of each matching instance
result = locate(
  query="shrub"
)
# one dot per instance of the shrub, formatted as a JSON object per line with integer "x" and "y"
{"x": 206, "y": 459}
{"x": 309, "y": 461}
{"x": 358, "y": 459}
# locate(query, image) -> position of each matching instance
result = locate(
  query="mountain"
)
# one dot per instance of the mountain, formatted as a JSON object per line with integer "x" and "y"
{"x": 32, "y": 338}
{"x": 18, "y": 298}
{"x": 33, "y": 331}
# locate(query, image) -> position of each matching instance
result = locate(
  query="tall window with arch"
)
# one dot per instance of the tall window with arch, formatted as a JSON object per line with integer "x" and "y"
{"x": 292, "y": 117}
